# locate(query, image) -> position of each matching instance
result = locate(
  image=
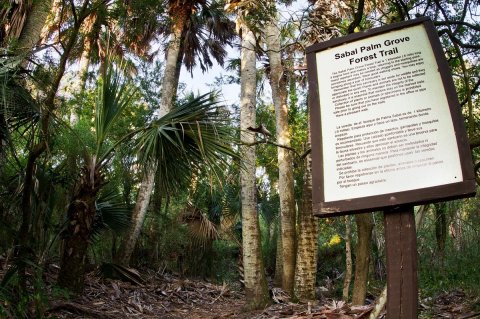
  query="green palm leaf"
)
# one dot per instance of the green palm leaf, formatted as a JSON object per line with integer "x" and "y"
{"x": 193, "y": 136}
{"x": 111, "y": 213}
{"x": 113, "y": 95}
{"x": 18, "y": 109}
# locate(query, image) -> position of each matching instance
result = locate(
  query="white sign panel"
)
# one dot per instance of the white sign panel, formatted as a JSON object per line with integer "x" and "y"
{"x": 385, "y": 120}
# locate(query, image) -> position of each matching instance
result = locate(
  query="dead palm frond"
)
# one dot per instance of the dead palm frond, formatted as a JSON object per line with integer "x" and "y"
{"x": 201, "y": 230}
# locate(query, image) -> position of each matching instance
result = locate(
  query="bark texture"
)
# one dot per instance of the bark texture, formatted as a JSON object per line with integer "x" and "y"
{"x": 285, "y": 160}
{"x": 138, "y": 217}
{"x": 256, "y": 290}
{"x": 441, "y": 229}
{"x": 348, "y": 259}
{"x": 80, "y": 215}
{"x": 306, "y": 265}
{"x": 27, "y": 24}
{"x": 39, "y": 148}
{"x": 277, "y": 280}
{"x": 362, "y": 260}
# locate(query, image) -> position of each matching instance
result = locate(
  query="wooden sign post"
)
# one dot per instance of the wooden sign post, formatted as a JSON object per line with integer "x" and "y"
{"x": 387, "y": 134}
{"x": 401, "y": 247}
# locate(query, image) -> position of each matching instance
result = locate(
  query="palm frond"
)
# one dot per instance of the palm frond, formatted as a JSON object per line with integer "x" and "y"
{"x": 193, "y": 136}
{"x": 18, "y": 109}
{"x": 113, "y": 96}
{"x": 111, "y": 214}
{"x": 202, "y": 231}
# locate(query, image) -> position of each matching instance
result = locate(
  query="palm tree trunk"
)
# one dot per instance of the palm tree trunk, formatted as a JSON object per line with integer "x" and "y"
{"x": 79, "y": 85}
{"x": 52, "y": 22}
{"x": 168, "y": 92}
{"x": 127, "y": 245}
{"x": 81, "y": 213}
{"x": 362, "y": 260}
{"x": 256, "y": 290}
{"x": 306, "y": 266}
{"x": 285, "y": 161}
{"x": 31, "y": 32}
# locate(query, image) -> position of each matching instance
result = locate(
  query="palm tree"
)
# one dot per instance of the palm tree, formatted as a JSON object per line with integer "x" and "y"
{"x": 193, "y": 136}
{"x": 256, "y": 289}
{"x": 285, "y": 159}
{"x": 198, "y": 28}
{"x": 112, "y": 97}
{"x": 114, "y": 25}
{"x": 307, "y": 247}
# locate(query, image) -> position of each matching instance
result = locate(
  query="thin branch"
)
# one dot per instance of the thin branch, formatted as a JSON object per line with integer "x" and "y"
{"x": 472, "y": 91}
{"x": 358, "y": 17}
{"x": 458, "y": 41}
{"x": 75, "y": 18}
{"x": 266, "y": 141}
{"x": 449, "y": 23}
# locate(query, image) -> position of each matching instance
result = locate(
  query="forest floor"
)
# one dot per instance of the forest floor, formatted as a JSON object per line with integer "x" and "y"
{"x": 169, "y": 297}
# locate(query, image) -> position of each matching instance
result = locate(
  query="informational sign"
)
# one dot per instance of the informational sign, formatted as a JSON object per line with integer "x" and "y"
{"x": 386, "y": 124}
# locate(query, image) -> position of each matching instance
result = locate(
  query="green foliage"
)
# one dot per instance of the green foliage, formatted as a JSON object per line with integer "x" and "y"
{"x": 16, "y": 303}
{"x": 112, "y": 214}
{"x": 459, "y": 270}
{"x": 194, "y": 136}
{"x": 225, "y": 256}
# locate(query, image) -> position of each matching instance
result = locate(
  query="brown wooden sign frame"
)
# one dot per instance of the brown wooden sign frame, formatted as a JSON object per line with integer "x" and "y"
{"x": 464, "y": 188}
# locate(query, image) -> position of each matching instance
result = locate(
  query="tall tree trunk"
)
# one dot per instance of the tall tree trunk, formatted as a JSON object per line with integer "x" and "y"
{"x": 31, "y": 32}
{"x": 456, "y": 229}
{"x": 285, "y": 161}
{"x": 168, "y": 92}
{"x": 82, "y": 74}
{"x": 362, "y": 260}
{"x": 256, "y": 289}
{"x": 348, "y": 259}
{"x": 127, "y": 245}
{"x": 306, "y": 266}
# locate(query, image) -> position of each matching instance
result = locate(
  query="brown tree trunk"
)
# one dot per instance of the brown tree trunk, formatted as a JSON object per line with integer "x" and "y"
{"x": 37, "y": 150}
{"x": 256, "y": 289}
{"x": 277, "y": 280}
{"x": 307, "y": 250}
{"x": 80, "y": 216}
{"x": 362, "y": 260}
{"x": 28, "y": 32}
{"x": 285, "y": 160}
{"x": 348, "y": 259}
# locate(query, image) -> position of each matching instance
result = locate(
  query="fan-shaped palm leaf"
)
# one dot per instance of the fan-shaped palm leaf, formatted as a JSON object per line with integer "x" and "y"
{"x": 111, "y": 213}
{"x": 206, "y": 33}
{"x": 113, "y": 95}
{"x": 194, "y": 135}
{"x": 18, "y": 109}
